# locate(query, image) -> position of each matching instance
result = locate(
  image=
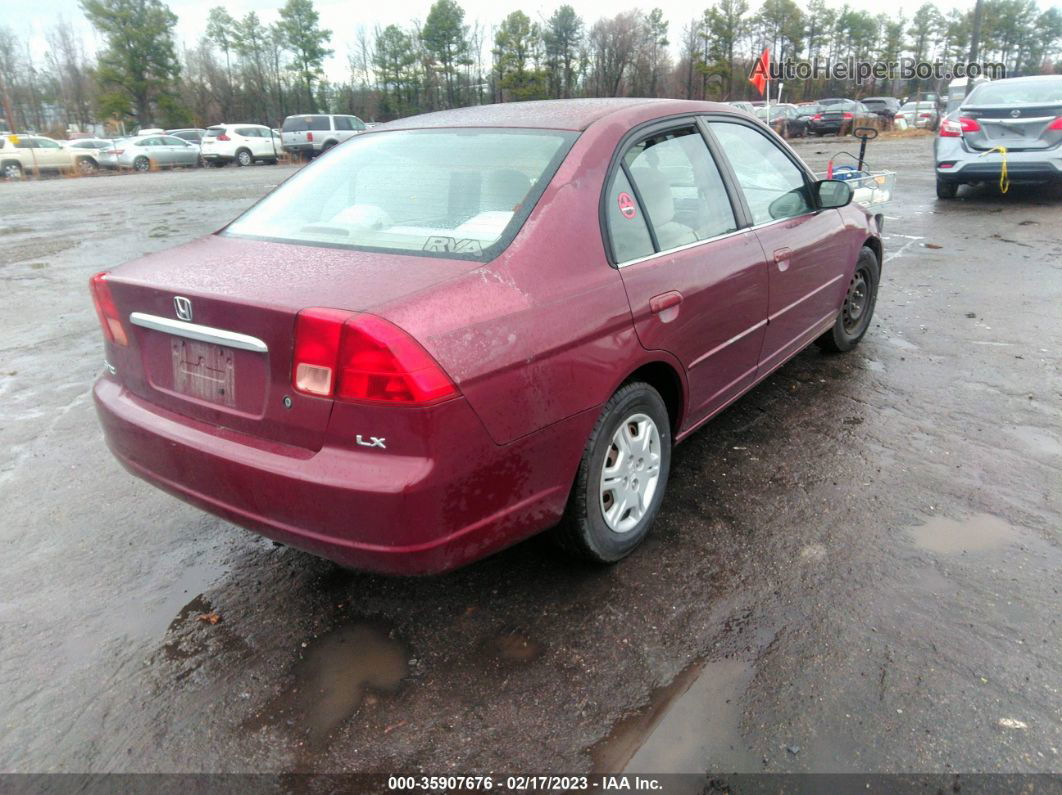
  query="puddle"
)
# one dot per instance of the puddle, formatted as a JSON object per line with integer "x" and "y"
{"x": 977, "y": 533}
{"x": 332, "y": 678}
{"x": 692, "y": 725}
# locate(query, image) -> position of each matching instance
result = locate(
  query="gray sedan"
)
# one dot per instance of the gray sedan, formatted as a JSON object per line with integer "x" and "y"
{"x": 145, "y": 152}
{"x": 1016, "y": 121}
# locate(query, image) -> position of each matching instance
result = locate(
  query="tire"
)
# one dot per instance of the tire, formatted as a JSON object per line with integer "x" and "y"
{"x": 87, "y": 166}
{"x": 635, "y": 413}
{"x": 244, "y": 158}
{"x": 12, "y": 171}
{"x": 946, "y": 189}
{"x": 272, "y": 161}
{"x": 142, "y": 164}
{"x": 854, "y": 318}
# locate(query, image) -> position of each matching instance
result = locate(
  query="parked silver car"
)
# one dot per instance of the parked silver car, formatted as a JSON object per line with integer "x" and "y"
{"x": 313, "y": 133}
{"x": 145, "y": 152}
{"x": 1022, "y": 115}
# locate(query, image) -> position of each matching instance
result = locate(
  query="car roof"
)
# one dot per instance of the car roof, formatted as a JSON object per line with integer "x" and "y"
{"x": 555, "y": 114}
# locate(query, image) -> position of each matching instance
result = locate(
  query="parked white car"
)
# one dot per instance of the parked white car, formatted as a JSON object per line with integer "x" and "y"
{"x": 26, "y": 154}
{"x": 313, "y": 133}
{"x": 243, "y": 144}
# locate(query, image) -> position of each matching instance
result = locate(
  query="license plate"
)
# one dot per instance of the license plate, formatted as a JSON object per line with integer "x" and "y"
{"x": 205, "y": 371}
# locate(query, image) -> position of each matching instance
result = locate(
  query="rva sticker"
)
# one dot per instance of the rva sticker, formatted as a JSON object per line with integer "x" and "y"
{"x": 626, "y": 205}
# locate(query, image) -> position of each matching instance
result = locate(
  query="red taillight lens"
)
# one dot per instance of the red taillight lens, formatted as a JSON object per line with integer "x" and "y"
{"x": 817, "y": 117}
{"x": 224, "y": 137}
{"x": 847, "y": 116}
{"x": 1056, "y": 124}
{"x": 363, "y": 358}
{"x": 969, "y": 125}
{"x": 309, "y": 136}
{"x": 107, "y": 311}
{"x": 119, "y": 151}
{"x": 949, "y": 128}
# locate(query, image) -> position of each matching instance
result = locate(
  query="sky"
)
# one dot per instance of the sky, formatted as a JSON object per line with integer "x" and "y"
{"x": 30, "y": 20}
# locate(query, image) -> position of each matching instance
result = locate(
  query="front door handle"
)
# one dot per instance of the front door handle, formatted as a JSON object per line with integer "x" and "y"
{"x": 781, "y": 258}
{"x": 658, "y": 303}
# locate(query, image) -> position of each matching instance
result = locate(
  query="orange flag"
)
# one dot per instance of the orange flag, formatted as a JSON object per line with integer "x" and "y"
{"x": 761, "y": 71}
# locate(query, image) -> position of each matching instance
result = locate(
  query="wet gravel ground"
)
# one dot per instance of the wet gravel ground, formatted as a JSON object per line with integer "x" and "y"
{"x": 857, "y": 567}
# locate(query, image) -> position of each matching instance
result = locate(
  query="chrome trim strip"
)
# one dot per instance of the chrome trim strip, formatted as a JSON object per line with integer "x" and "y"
{"x": 193, "y": 331}
{"x": 730, "y": 341}
{"x": 1018, "y": 120}
{"x": 818, "y": 289}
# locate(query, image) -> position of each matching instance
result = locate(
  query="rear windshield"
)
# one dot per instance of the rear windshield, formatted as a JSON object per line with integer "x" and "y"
{"x": 445, "y": 193}
{"x": 213, "y": 132}
{"x": 1019, "y": 92}
{"x": 303, "y": 123}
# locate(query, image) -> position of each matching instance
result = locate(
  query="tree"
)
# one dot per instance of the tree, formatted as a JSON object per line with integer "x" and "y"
{"x": 612, "y": 44}
{"x": 138, "y": 68}
{"x": 724, "y": 23}
{"x": 562, "y": 38}
{"x": 306, "y": 41}
{"x": 516, "y": 51}
{"x": 394, "y": 60}
{"x": 652, "y": 58}
{"x": 445, "y": 37}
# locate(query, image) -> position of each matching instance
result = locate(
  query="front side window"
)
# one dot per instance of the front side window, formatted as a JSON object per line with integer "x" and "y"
{"x": 447, "y": 192}
{"x": 680, "y": 187}
{"x": 773, "y": 185}
{"x": 45, "y": 143}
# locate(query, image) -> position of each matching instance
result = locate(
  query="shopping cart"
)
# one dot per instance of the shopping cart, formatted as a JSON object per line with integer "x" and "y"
{"x": 871, "y": 189}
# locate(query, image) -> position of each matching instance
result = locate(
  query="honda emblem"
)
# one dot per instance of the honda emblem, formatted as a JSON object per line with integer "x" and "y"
{"x": 183, "y": 307}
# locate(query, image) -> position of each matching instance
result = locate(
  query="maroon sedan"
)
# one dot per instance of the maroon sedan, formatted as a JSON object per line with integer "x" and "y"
{"x": 459, "y": 329}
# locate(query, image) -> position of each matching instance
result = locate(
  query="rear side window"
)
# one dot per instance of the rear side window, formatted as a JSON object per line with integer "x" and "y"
{"x": 680, "y": 188}
{"x": 304, "y": 123}
{"x": 248, "y": 132}
{"x": 627, "y": 230}
{"x": 343, "y": 123}
{"x": 773, "y": 185}
{"x": 188, "y": 136}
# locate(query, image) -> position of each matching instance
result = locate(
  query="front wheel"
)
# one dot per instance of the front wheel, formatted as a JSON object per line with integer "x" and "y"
{"x": 622, "y": 476}
{"x": 858, "y": 308}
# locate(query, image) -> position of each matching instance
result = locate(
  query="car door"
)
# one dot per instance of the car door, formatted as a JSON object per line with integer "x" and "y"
{"x": 802, "y": 245}
{"x": 51, "y": 155}
{"x": 697, "y": 283}
{"x": 181, "y": 152}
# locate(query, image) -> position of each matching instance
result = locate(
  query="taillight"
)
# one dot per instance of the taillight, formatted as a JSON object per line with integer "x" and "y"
{"x": 360, "y": 357}
{"x": 224, "y": 137}
{"x": 847, "y": 116}
{"x": 949, "y": 128}
{"x": 924, "y": 115}
{"x": 119, "y": 152}
{"x": 817, "y": 117}
{"x": 309, "y": 136}
{"x": 107, "y": 311}
{"x": 1056, "y": 124}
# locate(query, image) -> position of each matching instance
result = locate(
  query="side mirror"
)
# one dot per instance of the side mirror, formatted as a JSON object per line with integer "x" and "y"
{"x": 833, "y": 193}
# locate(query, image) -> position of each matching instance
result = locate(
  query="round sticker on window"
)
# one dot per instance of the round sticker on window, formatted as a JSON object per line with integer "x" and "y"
{"x": 626, "y": 205}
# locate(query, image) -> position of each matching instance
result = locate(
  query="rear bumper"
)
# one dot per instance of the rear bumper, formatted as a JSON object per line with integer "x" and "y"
{"x": 367, "y": 509}
{"x": 1021, "y": 167}
{"x": 215, "y": 157}
{"x": 305, "y": 149}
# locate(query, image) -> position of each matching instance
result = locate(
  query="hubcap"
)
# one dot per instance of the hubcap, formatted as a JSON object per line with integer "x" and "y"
{"x": 855, "y": 303}
{"x": 630, "y": 474}
{"x": 11, "y": 171}
{"x": 245, "y": 158}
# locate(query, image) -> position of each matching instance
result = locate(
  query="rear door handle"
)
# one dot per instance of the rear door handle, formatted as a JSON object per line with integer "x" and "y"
{"x": 658, "y": 303}
{"x": 781, "y": 258}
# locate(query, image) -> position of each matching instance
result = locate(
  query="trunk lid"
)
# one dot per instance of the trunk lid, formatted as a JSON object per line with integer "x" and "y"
{"x": 221, "y": 353}
{"x": 1017, "y": 127}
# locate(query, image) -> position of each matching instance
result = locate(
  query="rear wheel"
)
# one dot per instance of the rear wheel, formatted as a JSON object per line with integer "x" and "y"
{"x": 142, "y": 163}
{"x": 12, "y": 171}
{"x": 946, "y": 189}
{"x": 244, "y": 158}
{"x": 622, "y": 477}
{"x": 858, "y": 308}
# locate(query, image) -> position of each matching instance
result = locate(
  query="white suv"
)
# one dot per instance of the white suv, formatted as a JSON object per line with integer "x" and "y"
{"x": 243, "y": 144}
{"x": 313, "y": 133}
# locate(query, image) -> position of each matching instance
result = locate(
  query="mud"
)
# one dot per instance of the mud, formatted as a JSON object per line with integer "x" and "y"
{"x": 857, "y": 567}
